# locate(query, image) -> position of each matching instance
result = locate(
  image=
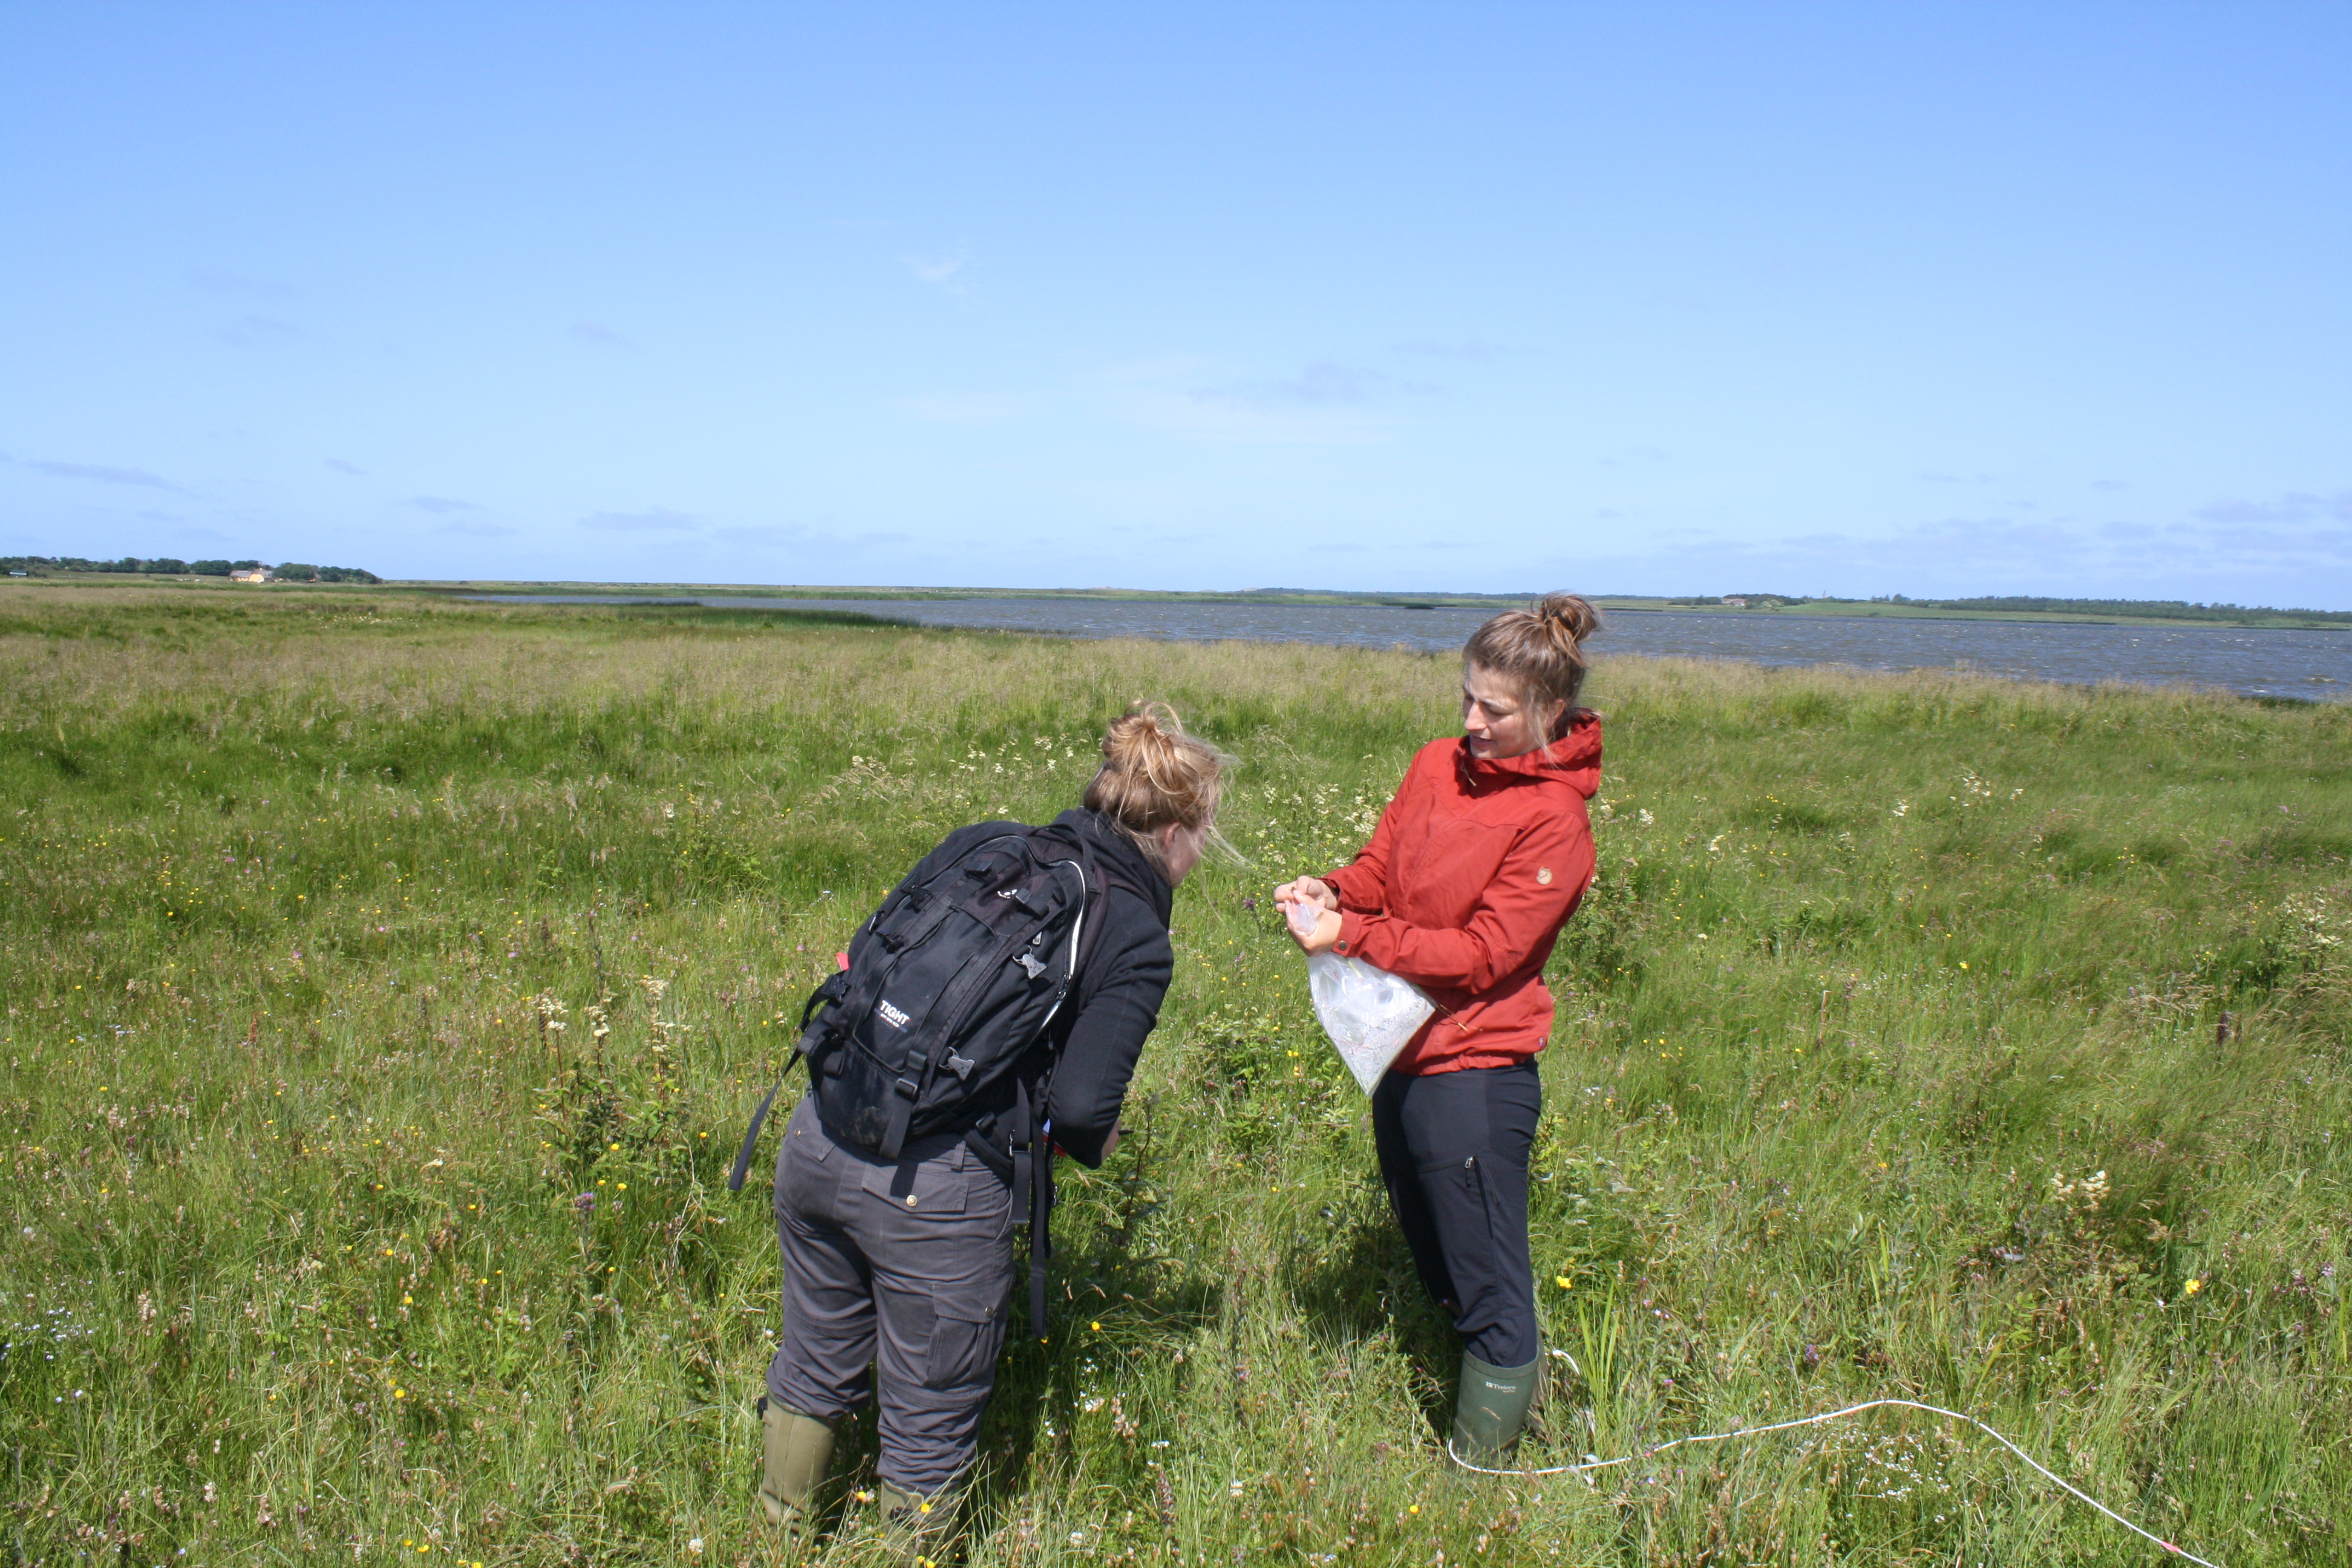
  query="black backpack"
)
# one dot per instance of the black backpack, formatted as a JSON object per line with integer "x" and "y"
{"x": 952, "y": 986}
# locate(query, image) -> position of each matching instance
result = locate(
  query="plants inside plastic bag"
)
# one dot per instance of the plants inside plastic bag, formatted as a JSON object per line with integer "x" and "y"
{"x": 1368, "y": 1012}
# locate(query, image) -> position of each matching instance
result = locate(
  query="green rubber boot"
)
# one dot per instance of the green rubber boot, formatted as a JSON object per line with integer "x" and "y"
{"x": 918, "y": 1530}
{"x": 1491, "y": 1408}
{"x": 796, "y": 1448}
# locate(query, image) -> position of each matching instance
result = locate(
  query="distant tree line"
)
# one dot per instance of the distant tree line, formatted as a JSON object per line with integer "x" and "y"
{"x": 296, "y": 572}
{"x": 168, "y": 566}
{"x": 162, "y": 565}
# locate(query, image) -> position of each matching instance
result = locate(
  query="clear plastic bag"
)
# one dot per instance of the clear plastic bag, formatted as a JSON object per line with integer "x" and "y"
{"x": 1368, "y": 1012}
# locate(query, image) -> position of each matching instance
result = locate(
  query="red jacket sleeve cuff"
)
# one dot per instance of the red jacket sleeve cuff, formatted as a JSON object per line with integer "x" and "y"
{"x": 1351, "y": 934}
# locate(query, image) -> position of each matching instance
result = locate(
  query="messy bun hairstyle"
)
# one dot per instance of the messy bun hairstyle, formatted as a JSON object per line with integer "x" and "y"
{"x": 1153, "y": 774}
{"x": 1540, "y": 650}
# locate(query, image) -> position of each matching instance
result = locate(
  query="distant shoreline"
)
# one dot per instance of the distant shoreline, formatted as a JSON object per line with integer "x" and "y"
{"x": 786, "y": 593}
{"x": 1830, "y": 609}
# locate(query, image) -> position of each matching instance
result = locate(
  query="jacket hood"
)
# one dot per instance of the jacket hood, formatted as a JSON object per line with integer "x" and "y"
{"x": 1574, "y": 760}
{"x": 1121, "y": 859}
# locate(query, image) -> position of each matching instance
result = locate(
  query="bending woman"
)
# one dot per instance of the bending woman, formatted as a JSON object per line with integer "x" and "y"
{"x": 905, "y": 1264}
{"x": 1475, "y": 864}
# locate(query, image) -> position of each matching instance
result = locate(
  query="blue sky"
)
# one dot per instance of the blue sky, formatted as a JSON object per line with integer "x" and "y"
{"x": 1929, "y": 298}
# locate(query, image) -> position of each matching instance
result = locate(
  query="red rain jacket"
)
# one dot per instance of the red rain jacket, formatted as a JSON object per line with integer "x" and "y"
{"x": 1476, "y": 866}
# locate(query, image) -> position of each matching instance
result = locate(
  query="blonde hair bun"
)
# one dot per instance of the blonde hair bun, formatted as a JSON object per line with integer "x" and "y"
{"x": 1153, "y": 774}
{"x": 1569, "y": 616}
{"x": 1143, "y": 739}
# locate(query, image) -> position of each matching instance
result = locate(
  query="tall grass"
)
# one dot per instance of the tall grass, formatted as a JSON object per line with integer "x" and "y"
{"x": 386, "y": 983}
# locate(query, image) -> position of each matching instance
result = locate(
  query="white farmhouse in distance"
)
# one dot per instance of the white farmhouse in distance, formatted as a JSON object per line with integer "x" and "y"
{"x": 258, "y": 575}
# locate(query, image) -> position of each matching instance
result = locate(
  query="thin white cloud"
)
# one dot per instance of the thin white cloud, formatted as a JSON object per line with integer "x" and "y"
{"x": 1178, "y": 414}
{"x": 105, "y": 475}
{"x": 653, "y": 519}
{"x": 2281, "y": 547}
{"x": 1171, "y": 395}
{"x": 2295, "y": 506}
{"x": 1321, "y": 383}
{"x": 341, "y": 467}
{"x": 805, "y": 543}
{"x": 477, "y": 527}
{"x": 443, "y": 504}
{"x": 941, "y": 271}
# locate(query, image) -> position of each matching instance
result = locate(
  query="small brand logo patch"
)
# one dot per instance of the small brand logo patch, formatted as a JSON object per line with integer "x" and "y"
{"x": 1543, "y": 876}
{"x": 892, "y": 1016}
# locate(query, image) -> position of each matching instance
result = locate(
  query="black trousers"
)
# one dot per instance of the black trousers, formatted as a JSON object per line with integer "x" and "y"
{"x": 1453, "y": 1152}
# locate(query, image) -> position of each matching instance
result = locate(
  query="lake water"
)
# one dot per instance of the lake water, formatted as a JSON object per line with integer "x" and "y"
{"x": 2302, "y": 664}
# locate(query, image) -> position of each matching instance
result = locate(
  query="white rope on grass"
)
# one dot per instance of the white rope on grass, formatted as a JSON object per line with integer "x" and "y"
{"x": 2043, "y": 1470}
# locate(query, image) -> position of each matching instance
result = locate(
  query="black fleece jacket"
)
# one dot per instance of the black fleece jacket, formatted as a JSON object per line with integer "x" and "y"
{"x": 1103, "y": 1025}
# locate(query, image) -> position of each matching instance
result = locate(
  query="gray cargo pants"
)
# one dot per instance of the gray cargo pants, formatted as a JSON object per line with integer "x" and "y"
{"x": 901, "y": 1266}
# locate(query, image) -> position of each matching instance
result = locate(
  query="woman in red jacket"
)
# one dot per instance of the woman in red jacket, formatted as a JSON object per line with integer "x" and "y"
{"x": 1476, "y": 863}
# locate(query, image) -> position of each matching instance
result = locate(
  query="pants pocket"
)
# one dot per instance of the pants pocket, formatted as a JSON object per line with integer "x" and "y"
{"x": 941, "y": 1333}
{"x": 965, "y": 1339}
{"x": 1451, "y": 1182}
{"x": 933, "y": 1187}
{"x": 959, "y": 1353}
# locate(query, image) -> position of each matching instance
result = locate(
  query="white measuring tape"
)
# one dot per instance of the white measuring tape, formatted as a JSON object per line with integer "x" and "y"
{"x": 2038, "y": 1468}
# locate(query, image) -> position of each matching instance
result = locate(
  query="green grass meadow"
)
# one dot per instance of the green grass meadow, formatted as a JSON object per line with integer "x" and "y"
{"x": 387, "y": 982}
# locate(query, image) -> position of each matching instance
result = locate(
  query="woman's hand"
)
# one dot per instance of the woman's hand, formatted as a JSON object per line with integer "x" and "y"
{"x": 1313, "y": 928}
{"x": 1311, "y": 911}
{"x": 1308, "y": 891}
{"x": 1319, "y": 937}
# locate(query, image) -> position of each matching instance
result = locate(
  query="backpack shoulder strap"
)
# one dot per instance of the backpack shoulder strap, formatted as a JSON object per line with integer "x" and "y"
{"x": 830, "y": 990}
{"x": 759, "y": 1119}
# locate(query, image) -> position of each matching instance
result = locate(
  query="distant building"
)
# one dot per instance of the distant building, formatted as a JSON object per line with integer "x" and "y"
{"x": 14, "y": 572}
{"x": 1735, "y": 601}
{"x": 260, "y": 574}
